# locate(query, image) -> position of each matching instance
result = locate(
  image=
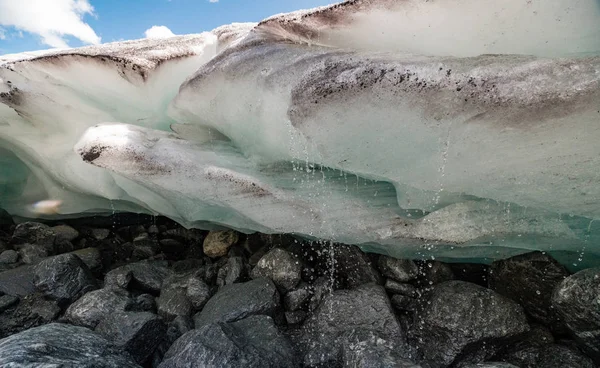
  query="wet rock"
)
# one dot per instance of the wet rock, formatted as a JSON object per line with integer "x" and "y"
{"x": 251, "y": 342}
{"x": 434, "y": 272}
{"x": 64, "y": 278}
{"x": 176, "y": 328}
{"x": 319, "y": 289}
{"x": 576, "y": 302}
{"x": 142, "y": 252}
{"x": 217, "y": 243}
{"x": 189, "y": 236}
{"x": 280, "y": 266}
{"x": 138, "y": 333}
{"x": 233, "y": 271}
{"x": 352, "y": 267}
{"x": 524, "y": 352}
{"x": 530, "y": 280}
{"x": 35, "y": 233}
{"x": 237, "y": 301}
{"x": 395, "y": 287}
{"x": 93, "y": 307}
{"x": 146, "y": 276}
{"x": 174, "y": 302}
{"x": 60, "y": 345}
{"x": 9, "y": 257}
{"x": 295, "y": 317}
{"x": 466, "y": 320}
{"x": 298, "y": 298}
{"x": 91, "y": 257}
{"x": 401, "y": 270}
{"x": 145, "y": 303}
{"x": 18, "y": 281}
{"x": 471, "y": 272}
{"x": 172, "y": 248}
{"x": 31, "y": 253}
{"x": 368, "y": 349}
{"x": 403, "y": 303}
{"x": 99, "y": 234}
{"x": 364, "y": 308}
{"x": 198, "y": 292}
{"x": 32, "y": 310}
{"x": 490, "y": 365}
{"x": 561, "y": 356}
{"x": 65, "y": 232}
{"x": 7, "y": 301}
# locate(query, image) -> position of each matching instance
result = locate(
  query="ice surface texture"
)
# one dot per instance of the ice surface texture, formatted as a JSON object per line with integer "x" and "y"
{"x": 457, "y": 129}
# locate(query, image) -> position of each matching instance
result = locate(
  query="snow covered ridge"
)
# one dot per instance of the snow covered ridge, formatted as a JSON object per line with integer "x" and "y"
{"x": 368, "y": 122}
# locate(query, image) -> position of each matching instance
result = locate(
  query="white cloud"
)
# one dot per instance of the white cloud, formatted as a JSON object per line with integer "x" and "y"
{"x": 159, "y": 32}
{"x": 213, "y": 1}
{"x": 52, "y": 20}
{"x": 2, "y": 34}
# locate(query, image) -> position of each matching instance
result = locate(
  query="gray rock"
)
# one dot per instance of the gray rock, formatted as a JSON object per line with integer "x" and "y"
{"x": 253, "y": 342}
{"x": 319, "y": 289}
{"x": 434, "y": 272}
{"x": 561, "y": 356}
{"x": 173, "y": 302}
{"x": 31, "y": 253}
{"x": 33, "y": 310}
{"x": 295, "y": 317}
{"x": 298, "y": 298}
{"x": 138, "y": 333}
{"x": 280, "y": 266}
{"x": 530, "y": 280}
{"x": 141, "y": 252}
{"x": 235, "y": 270}
{"x": 35, "y": 233}
{"x": 18, "y": 281}
{"x": 189, "y": 236}
{"x": 395, "y": 287}
{"x": 524, "y": 352}
{"x": 60, "y": 345}
{"x": 145, "y": 276}
{"x": 491, "y": 365}
{"x": 364, "y": 308}
{"x": 145, "y": 303}
{"x": 217, "y": 243}
{"x": 238, "y": 301}
{"x": 172, "y": 248}
{"x": 353, "y": 267}
{"x": 466, "y": 320}
{"x": 64, "y": 278}
{"x": 367, "y": 349}
{"x": 99, "y": 234}
{"x": 91, "y": 257}
{"x": 7, "y": 301}
{"x": 401, "y": 270}
{"x": 403, "y": 303}
{"x": 576, "y": 302}
{"x": 9, "y": 256}
{"x": 65, "y": 232}
{"x": 93, "y": 307}
{"x": 176, "y": 328}
{"x": 198, "y": 292}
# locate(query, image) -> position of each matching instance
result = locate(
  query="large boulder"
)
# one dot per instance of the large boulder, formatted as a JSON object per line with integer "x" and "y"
{"x": 138, "y": 333}
{"x": 253, "y": 342}
{"x": 238, "y": 301}
{"x": 18, "y": 281}
{"x": 31, "y": 311}
{"x": 280, "y": 266}
{"x": 463, "y": 319}
{"x": 576, "y": 300}
{"x": 60, "y": 345}
{"x": 366, "y": 307}
{"x": 529, "y": 279}
{"x": 95, "y": 306}
{"x": 64, "y": 278}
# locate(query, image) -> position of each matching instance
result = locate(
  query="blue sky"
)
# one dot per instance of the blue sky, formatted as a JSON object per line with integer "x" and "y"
{"x": 56, "y": 22}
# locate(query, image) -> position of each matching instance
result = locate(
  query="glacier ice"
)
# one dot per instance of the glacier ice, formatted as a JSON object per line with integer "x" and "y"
{"x": 454, "y": 129}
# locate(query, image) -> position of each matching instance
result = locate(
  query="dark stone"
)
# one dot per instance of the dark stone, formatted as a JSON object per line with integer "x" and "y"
{"x": 475, "y": 273}
{"x": 7, "y": 301}
{"x": 35, "y": 233}
{"x": 460, "y": 319}
{"x": 395, "y": 287}
{"x": 198, "y": 292}
{"x": 93, "y": 307}
{"x": 298, "y": 298}
{"x": 65, "y": 232}
{"x": 147, "y": 276}
{"x": 91, "y": 257}
{"x": 401, "y": 270}
{"x": 490, "y": 365}
{"x": 9, "y": 256}
{"x": 173, "y": 302}
{"x": 530, "y": 280}
{"x": 63, "y": 246}
{"x": 172, "y": 248}
{"x": 576, "y": 302}
{"x": 364, "y": 308}
{"x": 31, "y": 253}
{"x": 176, "y": 328}
{"x": 64, "y": 278}
{"x": 403, "y": 303}
{"x": 524, "y": 352}
{"x": 251, "y": 342}
{"x": 145, "y": 303}
{"x": 99, "y": 234}
{"x": 295, "y": 317}
{"x": 319, "y": 289}
{"x": 561, "y": 356}
{"x": 18, "y": 281}
{"x": 189, "y": 236}
{"x": 280, "y": 266}
{"x": 6, "y": 220}
{"x": 142, "y": 252}
{"x": 31, "y": 311}
{"x": 353, "y": 267}
{"x": 368, "y": 349}
{"x": 60, "y": 345}
{"x": 238, "y": 301}
{"x": 434, "y": 272}
{"x": 187, "y": 265}
{"x": 236, "y": 270}
{"x": 138, "y": 333}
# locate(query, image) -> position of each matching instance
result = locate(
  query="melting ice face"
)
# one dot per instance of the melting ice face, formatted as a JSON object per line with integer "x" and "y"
{"x": 382, "y": 123}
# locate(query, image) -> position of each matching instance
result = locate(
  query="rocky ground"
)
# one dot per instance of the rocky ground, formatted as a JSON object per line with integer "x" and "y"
{"x": 133, "y": 291}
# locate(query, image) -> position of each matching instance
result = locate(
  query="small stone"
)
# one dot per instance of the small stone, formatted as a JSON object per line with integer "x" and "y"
{"x": 235, "y": 270}
{"x": 173, "y": 302}
{"x": 174, "y": 249}
{"x": 198, "y": 292}
{"x": 189, "y": 236}
{"x": 93, "y": 307}
{"x": 64, "y": 278}
{"x": 31, "y": 253}
{"x": 9, "y": 257}
{"x": 295, "y": 317}
{"x": 490, "y": 365}
{"x": 298, "y": 298}
{"x": 319, "y": 289}
{"x": 401, "y": 270}
{"x": 35, "y": 233}
{"x": 91, "y": 257}
{"x": 147, "y": 276}
{"x": 145, "y": 303}
{"x": 153, "y": 230}
{"x": 237, "y": 301}
{"x": 280, "y": 266}
{"x": 217, "y": 243}
{"x": 142, "y": 252}
{"x": 65, "y": 232}
{"x": 100, "y": 234}
{"x": 7, "y": 301}
{"x": 395, "y": 287}
{"x": 436, "y": 272}
{"x": 403, "y": 303}
{"x": 138, "y": 333}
